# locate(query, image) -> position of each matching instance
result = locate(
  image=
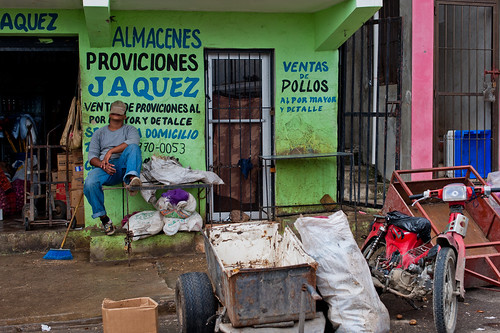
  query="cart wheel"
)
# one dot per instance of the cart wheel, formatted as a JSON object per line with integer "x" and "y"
{"x": 26, "y": 216}
{"x": 195, "y": 302}
{"x": 59, "y": 209}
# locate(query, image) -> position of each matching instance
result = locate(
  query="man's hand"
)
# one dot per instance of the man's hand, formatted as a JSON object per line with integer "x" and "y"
{"x": 108, "y": 167}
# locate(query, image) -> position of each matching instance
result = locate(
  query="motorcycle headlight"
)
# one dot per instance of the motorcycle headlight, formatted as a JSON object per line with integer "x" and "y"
{"x": 455, "y": 192}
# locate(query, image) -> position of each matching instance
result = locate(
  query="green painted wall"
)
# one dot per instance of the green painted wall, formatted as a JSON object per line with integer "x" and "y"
{"x": 133, "y": 70}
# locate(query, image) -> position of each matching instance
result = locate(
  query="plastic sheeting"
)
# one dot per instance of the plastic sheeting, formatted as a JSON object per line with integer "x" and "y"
{"x": 343, "y": 276}
{"x": 169, "y": 171}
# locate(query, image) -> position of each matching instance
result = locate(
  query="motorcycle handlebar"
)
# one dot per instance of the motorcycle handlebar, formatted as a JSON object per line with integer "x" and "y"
{"x": 491, "y": 190}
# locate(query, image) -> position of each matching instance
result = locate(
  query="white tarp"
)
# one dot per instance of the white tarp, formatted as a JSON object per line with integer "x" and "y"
{"x": 169, "y": 171}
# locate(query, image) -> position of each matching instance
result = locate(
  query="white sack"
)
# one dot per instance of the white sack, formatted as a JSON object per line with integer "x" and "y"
{"x": 186, "y": 207}
{"x": 180, "y": 217}
{"x": 192, "y": 223}
{"x": 343, "y": 276}
{"x": 145, "y": 224}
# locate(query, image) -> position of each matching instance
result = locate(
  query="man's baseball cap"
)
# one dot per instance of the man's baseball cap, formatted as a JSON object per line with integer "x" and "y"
{"x": 118, "y": 107}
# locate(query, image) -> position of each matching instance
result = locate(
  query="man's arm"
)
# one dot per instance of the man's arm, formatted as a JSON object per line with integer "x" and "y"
{"x": 117, "y": 149}
{"x": 132, "y": 135}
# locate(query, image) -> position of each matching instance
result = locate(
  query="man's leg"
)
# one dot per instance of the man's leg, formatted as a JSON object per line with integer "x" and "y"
{"x": 94, "y": 193}
{"x": 131, "y": 161}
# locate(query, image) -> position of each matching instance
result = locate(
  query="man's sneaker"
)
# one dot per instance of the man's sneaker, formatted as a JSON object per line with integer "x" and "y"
{"x": 109, "y": 228}
{"x": 135, "y": 182}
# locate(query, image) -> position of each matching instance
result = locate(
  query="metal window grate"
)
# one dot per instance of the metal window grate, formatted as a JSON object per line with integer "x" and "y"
{"x": 238, "y": 125}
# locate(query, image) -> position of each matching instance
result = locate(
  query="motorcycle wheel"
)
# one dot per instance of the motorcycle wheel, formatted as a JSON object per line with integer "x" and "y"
{"x": 378, "y": 251}
{"x": 444, "y": 299}
{"x": 371, "y": 259}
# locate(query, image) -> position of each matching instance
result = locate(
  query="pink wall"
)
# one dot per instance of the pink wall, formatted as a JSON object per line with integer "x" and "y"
{"x": 422, "y": 85}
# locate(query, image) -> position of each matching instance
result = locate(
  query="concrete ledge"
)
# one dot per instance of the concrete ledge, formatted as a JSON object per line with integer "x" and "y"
{"x": 112, "y": 248}
{"x": 43, "y": 240}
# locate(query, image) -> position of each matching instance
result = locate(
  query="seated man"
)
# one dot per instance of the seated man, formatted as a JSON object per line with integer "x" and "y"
{"x": 115, "y": 154}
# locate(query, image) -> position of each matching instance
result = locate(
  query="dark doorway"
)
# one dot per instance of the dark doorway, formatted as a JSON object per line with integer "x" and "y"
{"x": 39, "y": 78}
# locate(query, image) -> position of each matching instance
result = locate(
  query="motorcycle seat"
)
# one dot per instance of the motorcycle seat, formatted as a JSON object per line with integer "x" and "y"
{"x": 419, "y": 225}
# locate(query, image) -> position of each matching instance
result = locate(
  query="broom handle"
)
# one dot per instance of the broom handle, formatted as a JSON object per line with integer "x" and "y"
{"x": 70, "y": 222}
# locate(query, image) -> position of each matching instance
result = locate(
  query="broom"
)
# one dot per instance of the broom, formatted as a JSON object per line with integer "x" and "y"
{"x": 60, "y": 253}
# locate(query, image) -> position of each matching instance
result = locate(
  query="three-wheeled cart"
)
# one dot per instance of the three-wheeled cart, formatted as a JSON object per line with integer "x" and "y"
{"x": 39, "y": 185}
{"x": 260, "y": 277}
{"x": 482, "y": 241}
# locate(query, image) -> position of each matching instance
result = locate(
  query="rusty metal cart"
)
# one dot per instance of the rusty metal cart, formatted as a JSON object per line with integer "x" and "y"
{"x": 38, "y": 184}
{"x": 260, "y": 276}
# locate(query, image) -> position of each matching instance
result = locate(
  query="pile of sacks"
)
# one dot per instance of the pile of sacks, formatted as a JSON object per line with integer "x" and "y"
{"x": 176, "y": 211}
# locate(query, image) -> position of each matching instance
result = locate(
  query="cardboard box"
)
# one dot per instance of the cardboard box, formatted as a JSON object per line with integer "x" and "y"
{"x": 80, "y": 215}
{"x": 74, "y": 158}
{"x": 77, "y": 178}
{"x": 61, "y": 161}
{"x": 53, "y": 187}
{"x": 74, "y": 197}
{"x": 130, "y": 315}
{"x": 61, "y": 176}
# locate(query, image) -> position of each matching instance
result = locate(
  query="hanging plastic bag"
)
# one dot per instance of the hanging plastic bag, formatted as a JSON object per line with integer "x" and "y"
{"x": 343, "y": 277}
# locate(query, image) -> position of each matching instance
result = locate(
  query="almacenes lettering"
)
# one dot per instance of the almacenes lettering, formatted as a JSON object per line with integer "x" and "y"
{"x": 160, "y": 38}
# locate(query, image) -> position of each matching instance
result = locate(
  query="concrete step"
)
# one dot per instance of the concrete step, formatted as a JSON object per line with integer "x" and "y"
{"x": 112, "y": 248}
{"x": 100, "y": 246}
{"x": 42, "y": 240}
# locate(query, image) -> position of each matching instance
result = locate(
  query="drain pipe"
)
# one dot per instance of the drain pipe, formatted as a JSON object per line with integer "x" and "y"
{"x": 375, "y": 87}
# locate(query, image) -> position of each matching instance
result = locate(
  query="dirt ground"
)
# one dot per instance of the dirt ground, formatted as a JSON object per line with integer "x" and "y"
{"x": 35, "y": 290}
{"x": 67, "y": 295}
{"x": 479, "y": 312}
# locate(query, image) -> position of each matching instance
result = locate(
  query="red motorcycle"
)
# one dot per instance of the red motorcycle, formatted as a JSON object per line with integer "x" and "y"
{"x": 404, "y": 262}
